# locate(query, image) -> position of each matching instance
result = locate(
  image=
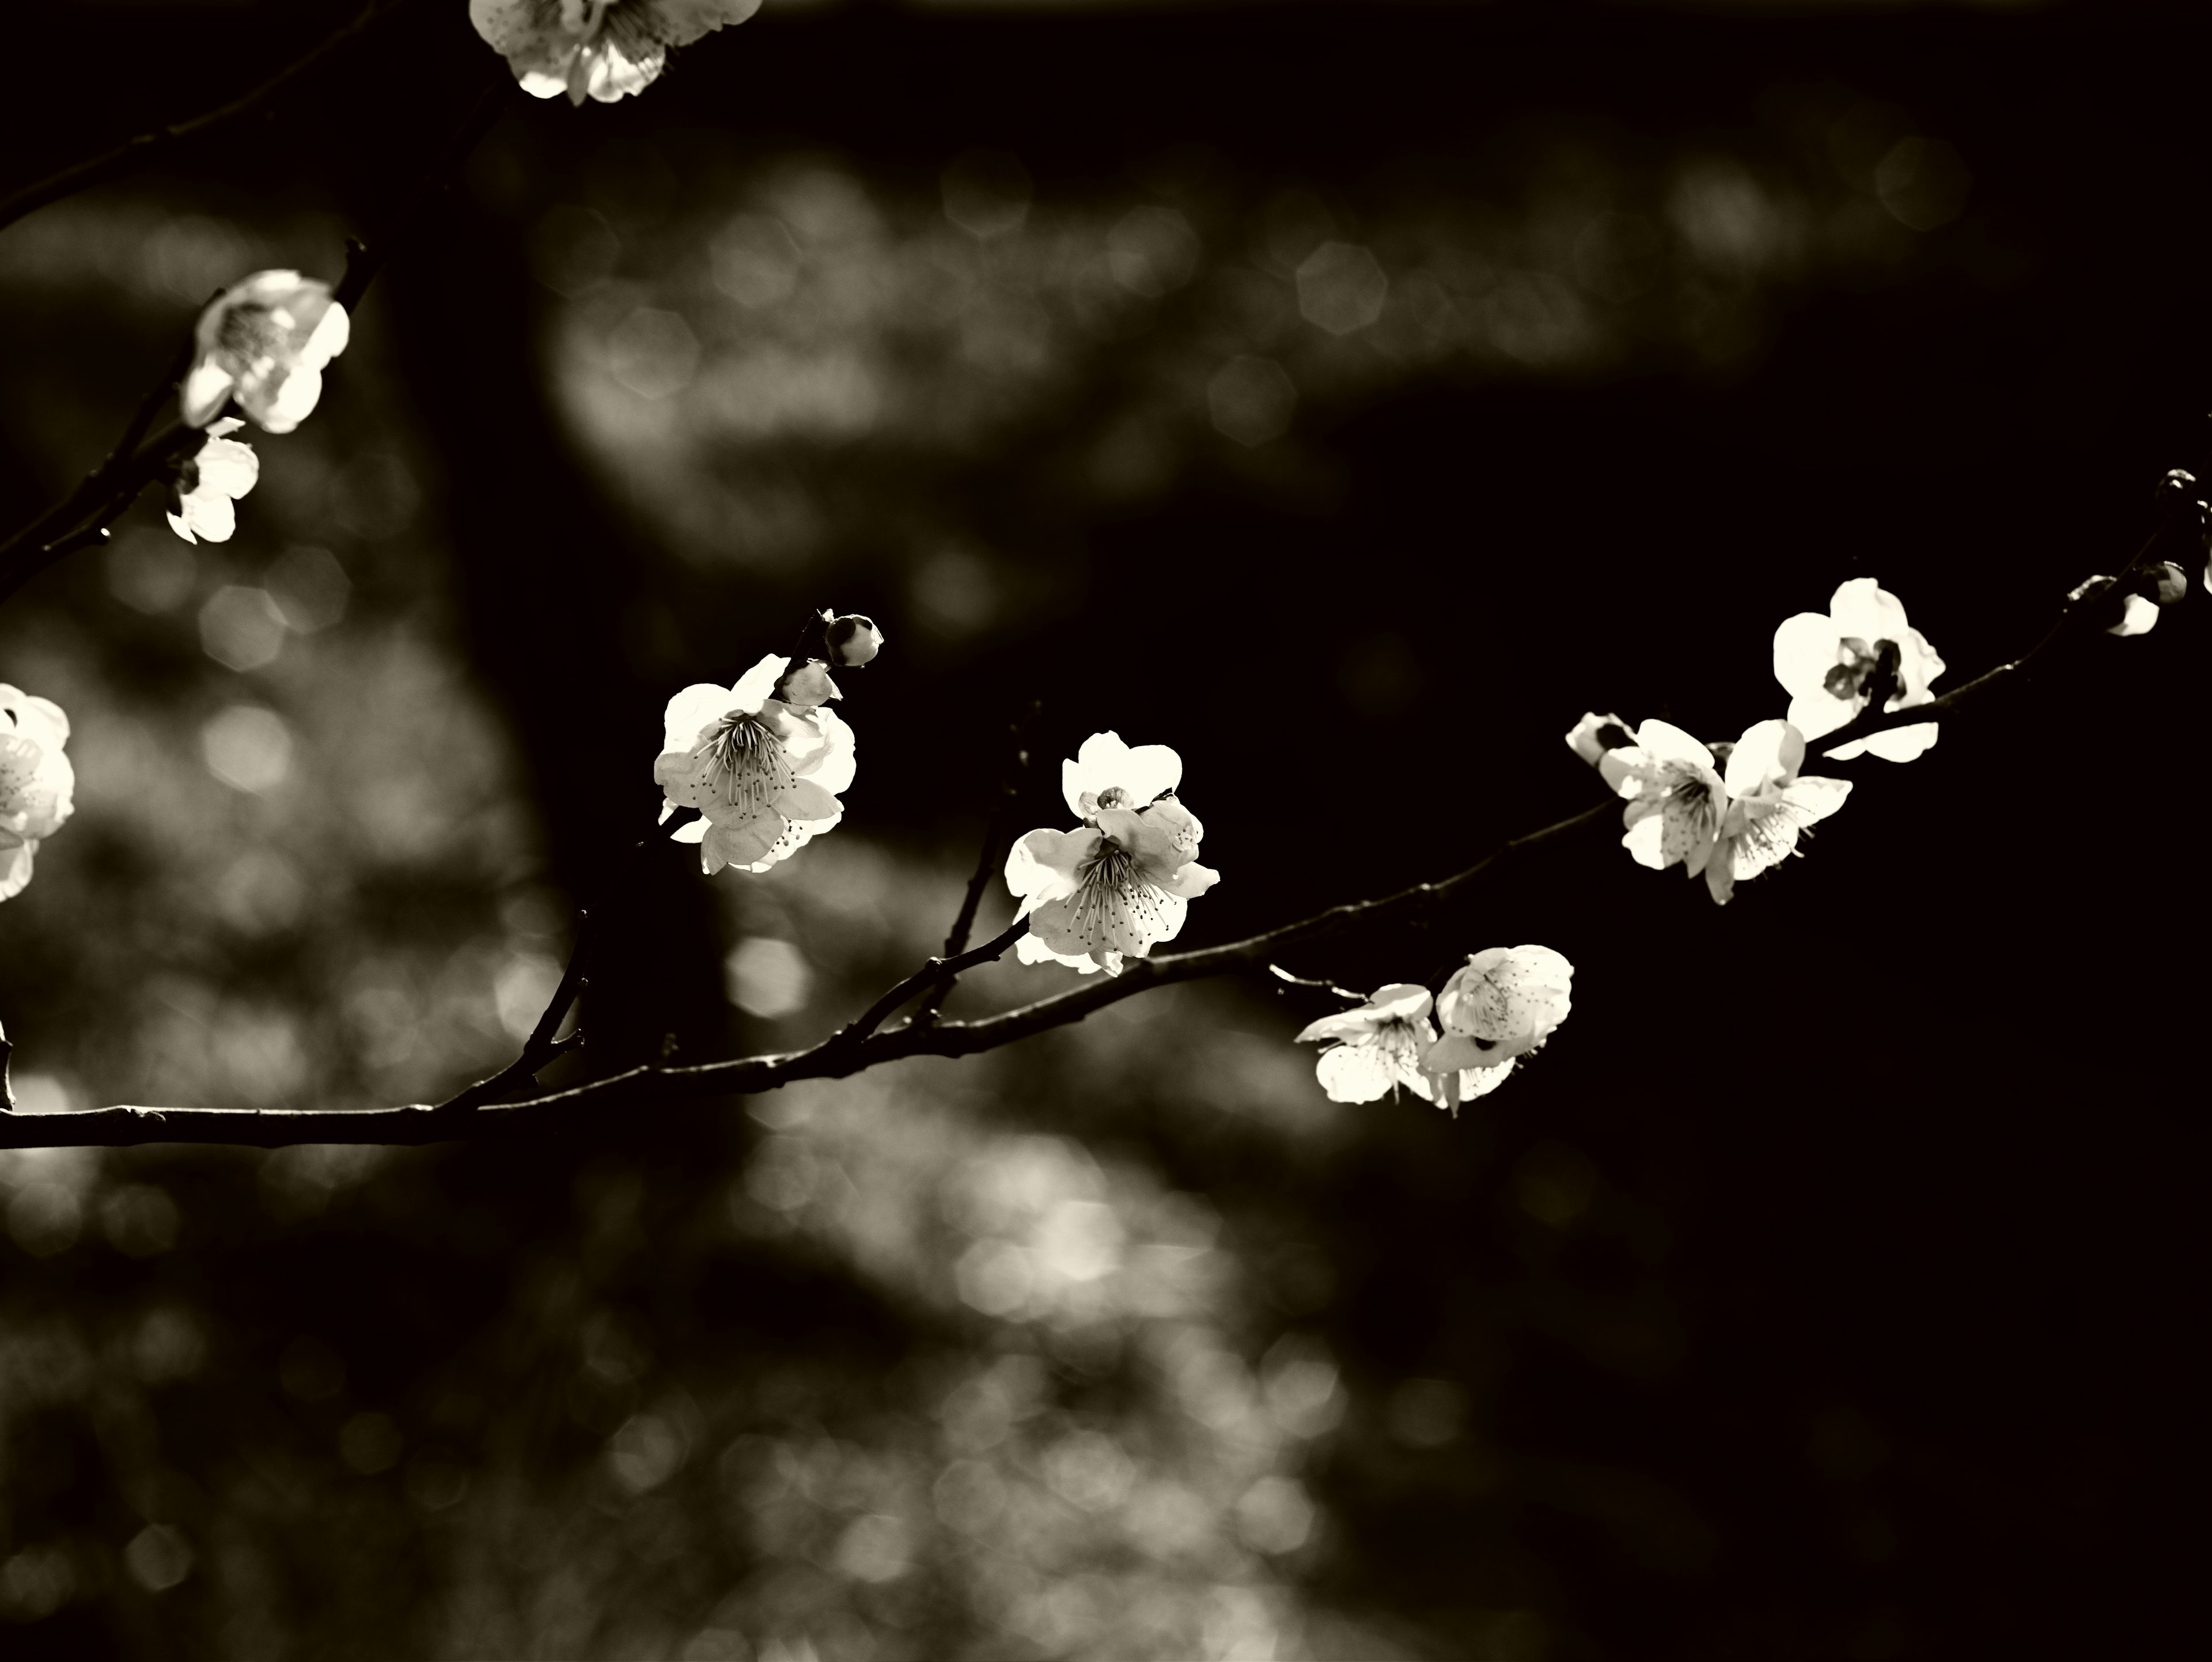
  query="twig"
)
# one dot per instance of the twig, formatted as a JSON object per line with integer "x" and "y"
{"x": 1874, "y": 719}
{"x": 986, "y": 863}
{"x": 103, "y": 495}
{"x": 850, "y": 1050}
{"x": 1285, "y": 977}
{"x": 541, "y": 1048}
{"x": 938, "y": 972}
{"x": 147, "y": 147}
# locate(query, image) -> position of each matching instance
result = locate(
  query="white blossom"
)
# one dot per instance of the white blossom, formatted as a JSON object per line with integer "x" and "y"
{"x": 601, "y": 49}
{"x": 1674, "y": 797}
{"x": 1824, "y": 662}
{"x": 1504, "y": 1003}
{"x": 1119, "y": 886}
{"x": 1379, "y": 1046}
{"x": 36, "y": 782}
{"x": 264, "y": 342}
{"x": 764, "y": 772}
{"x": 1769, "y": 806}
{"x": 207, "y": 485}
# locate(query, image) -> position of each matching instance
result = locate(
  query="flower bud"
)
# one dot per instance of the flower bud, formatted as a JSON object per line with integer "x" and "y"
{"x": 1596, "y": 734}
{"x": 2166, "y": 583}
{"x": 852, "y": 640}
{"x": 807, "y": 685}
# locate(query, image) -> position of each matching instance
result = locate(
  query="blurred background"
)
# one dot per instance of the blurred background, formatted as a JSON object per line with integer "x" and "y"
{"x": 1349, "y": 396}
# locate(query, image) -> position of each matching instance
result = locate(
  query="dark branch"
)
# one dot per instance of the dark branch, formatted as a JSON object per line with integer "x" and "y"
{"x": 2173, "y": 494}
{"x": 995, "y": 831}
{"x": 148, "y": 146}
{"x": 851, "y": 1050}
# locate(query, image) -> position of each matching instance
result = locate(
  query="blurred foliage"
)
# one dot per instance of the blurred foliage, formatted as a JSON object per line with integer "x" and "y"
{"x": 1351, "y": 414}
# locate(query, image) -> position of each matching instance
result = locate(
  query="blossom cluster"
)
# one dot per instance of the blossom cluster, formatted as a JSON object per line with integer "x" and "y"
{"x": 1502, "y": 1004}
{"x": 260, "y": 346}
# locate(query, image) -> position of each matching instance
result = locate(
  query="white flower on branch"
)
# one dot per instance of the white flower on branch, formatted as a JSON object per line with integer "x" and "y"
{"x": 264, "y": 342}
{"x": 36, "y": 782}
{"x": 207, "y": 485}
{"x": 1120, "y": 884}
{"x": 601, "y": 49}
{"x": 1825, "y": 662}
{"x": 1381, "y": 1046}
{"x": 1674, "y": 797}
{"x": 763, "y": 771}
{"x": 1768, "y": 805}
{"x": 1505, "y": 1002}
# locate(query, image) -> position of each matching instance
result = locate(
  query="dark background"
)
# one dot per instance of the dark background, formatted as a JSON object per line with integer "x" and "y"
{"x": 1829, "y": 1288}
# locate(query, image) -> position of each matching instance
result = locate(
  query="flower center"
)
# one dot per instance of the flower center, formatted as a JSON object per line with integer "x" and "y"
{"x": 1855, "y": 661}
{"x": 751, "y": 761}
{"x": 1111, "y": 901}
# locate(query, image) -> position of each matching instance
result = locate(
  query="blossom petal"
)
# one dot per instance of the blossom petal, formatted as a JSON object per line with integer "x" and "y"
{"x": 692, "y": 712}
{"x": 835, "y": 768}
{"x": 1104, "y": 763}
{"x": 1469, "y": 1083}
{"x": 15, "y": 869}
{"x": 41, "y": 721}
{"x": 1455, "y": 1051}
{"x": 1355, "y": 1072}
{"x": 1187, "y": 881}
{"x": 1893, "y": 745}
{"x": 739, "y": 844}
{"x": 1862, "y": 607}
{"x": 1668, "y": 743}
{"x": 754, "y": 687}
{"x": 1769, "y": 754}
{"x": 1805, "y": 648}
{"x": 206, "y": 390}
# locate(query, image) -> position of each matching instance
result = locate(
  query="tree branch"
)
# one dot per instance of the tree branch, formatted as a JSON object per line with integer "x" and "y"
{"x": 146, "y": 148}
{"x": 852, "y": 1049}
{"x": 996, "y": 829}
{"x": 2173, "y": 494}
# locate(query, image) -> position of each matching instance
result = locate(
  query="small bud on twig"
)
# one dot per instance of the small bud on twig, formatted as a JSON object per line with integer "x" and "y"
{"x": 852, "y": 640}
{"x": 2164, "y": 583}
{"x": 807, "y": 686}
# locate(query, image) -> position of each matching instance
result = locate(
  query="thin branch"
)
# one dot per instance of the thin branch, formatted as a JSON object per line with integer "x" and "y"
{"x": 938, "y": 972}
{"x": 148, "y": 146}
{"x": 540, "y": 1050}
{"x": 2173, "y": 494}
{"x": 995, "y": 829}
{"x": 835, "y": 1057}
{"x": 104, "y": 493}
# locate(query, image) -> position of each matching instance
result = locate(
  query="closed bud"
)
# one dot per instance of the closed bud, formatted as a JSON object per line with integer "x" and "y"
{"x": 852, "y": 640}
{"x": 1596, "y": 734}
{"x": 807, "y": 685}
{"x": 2168, "y": 582}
